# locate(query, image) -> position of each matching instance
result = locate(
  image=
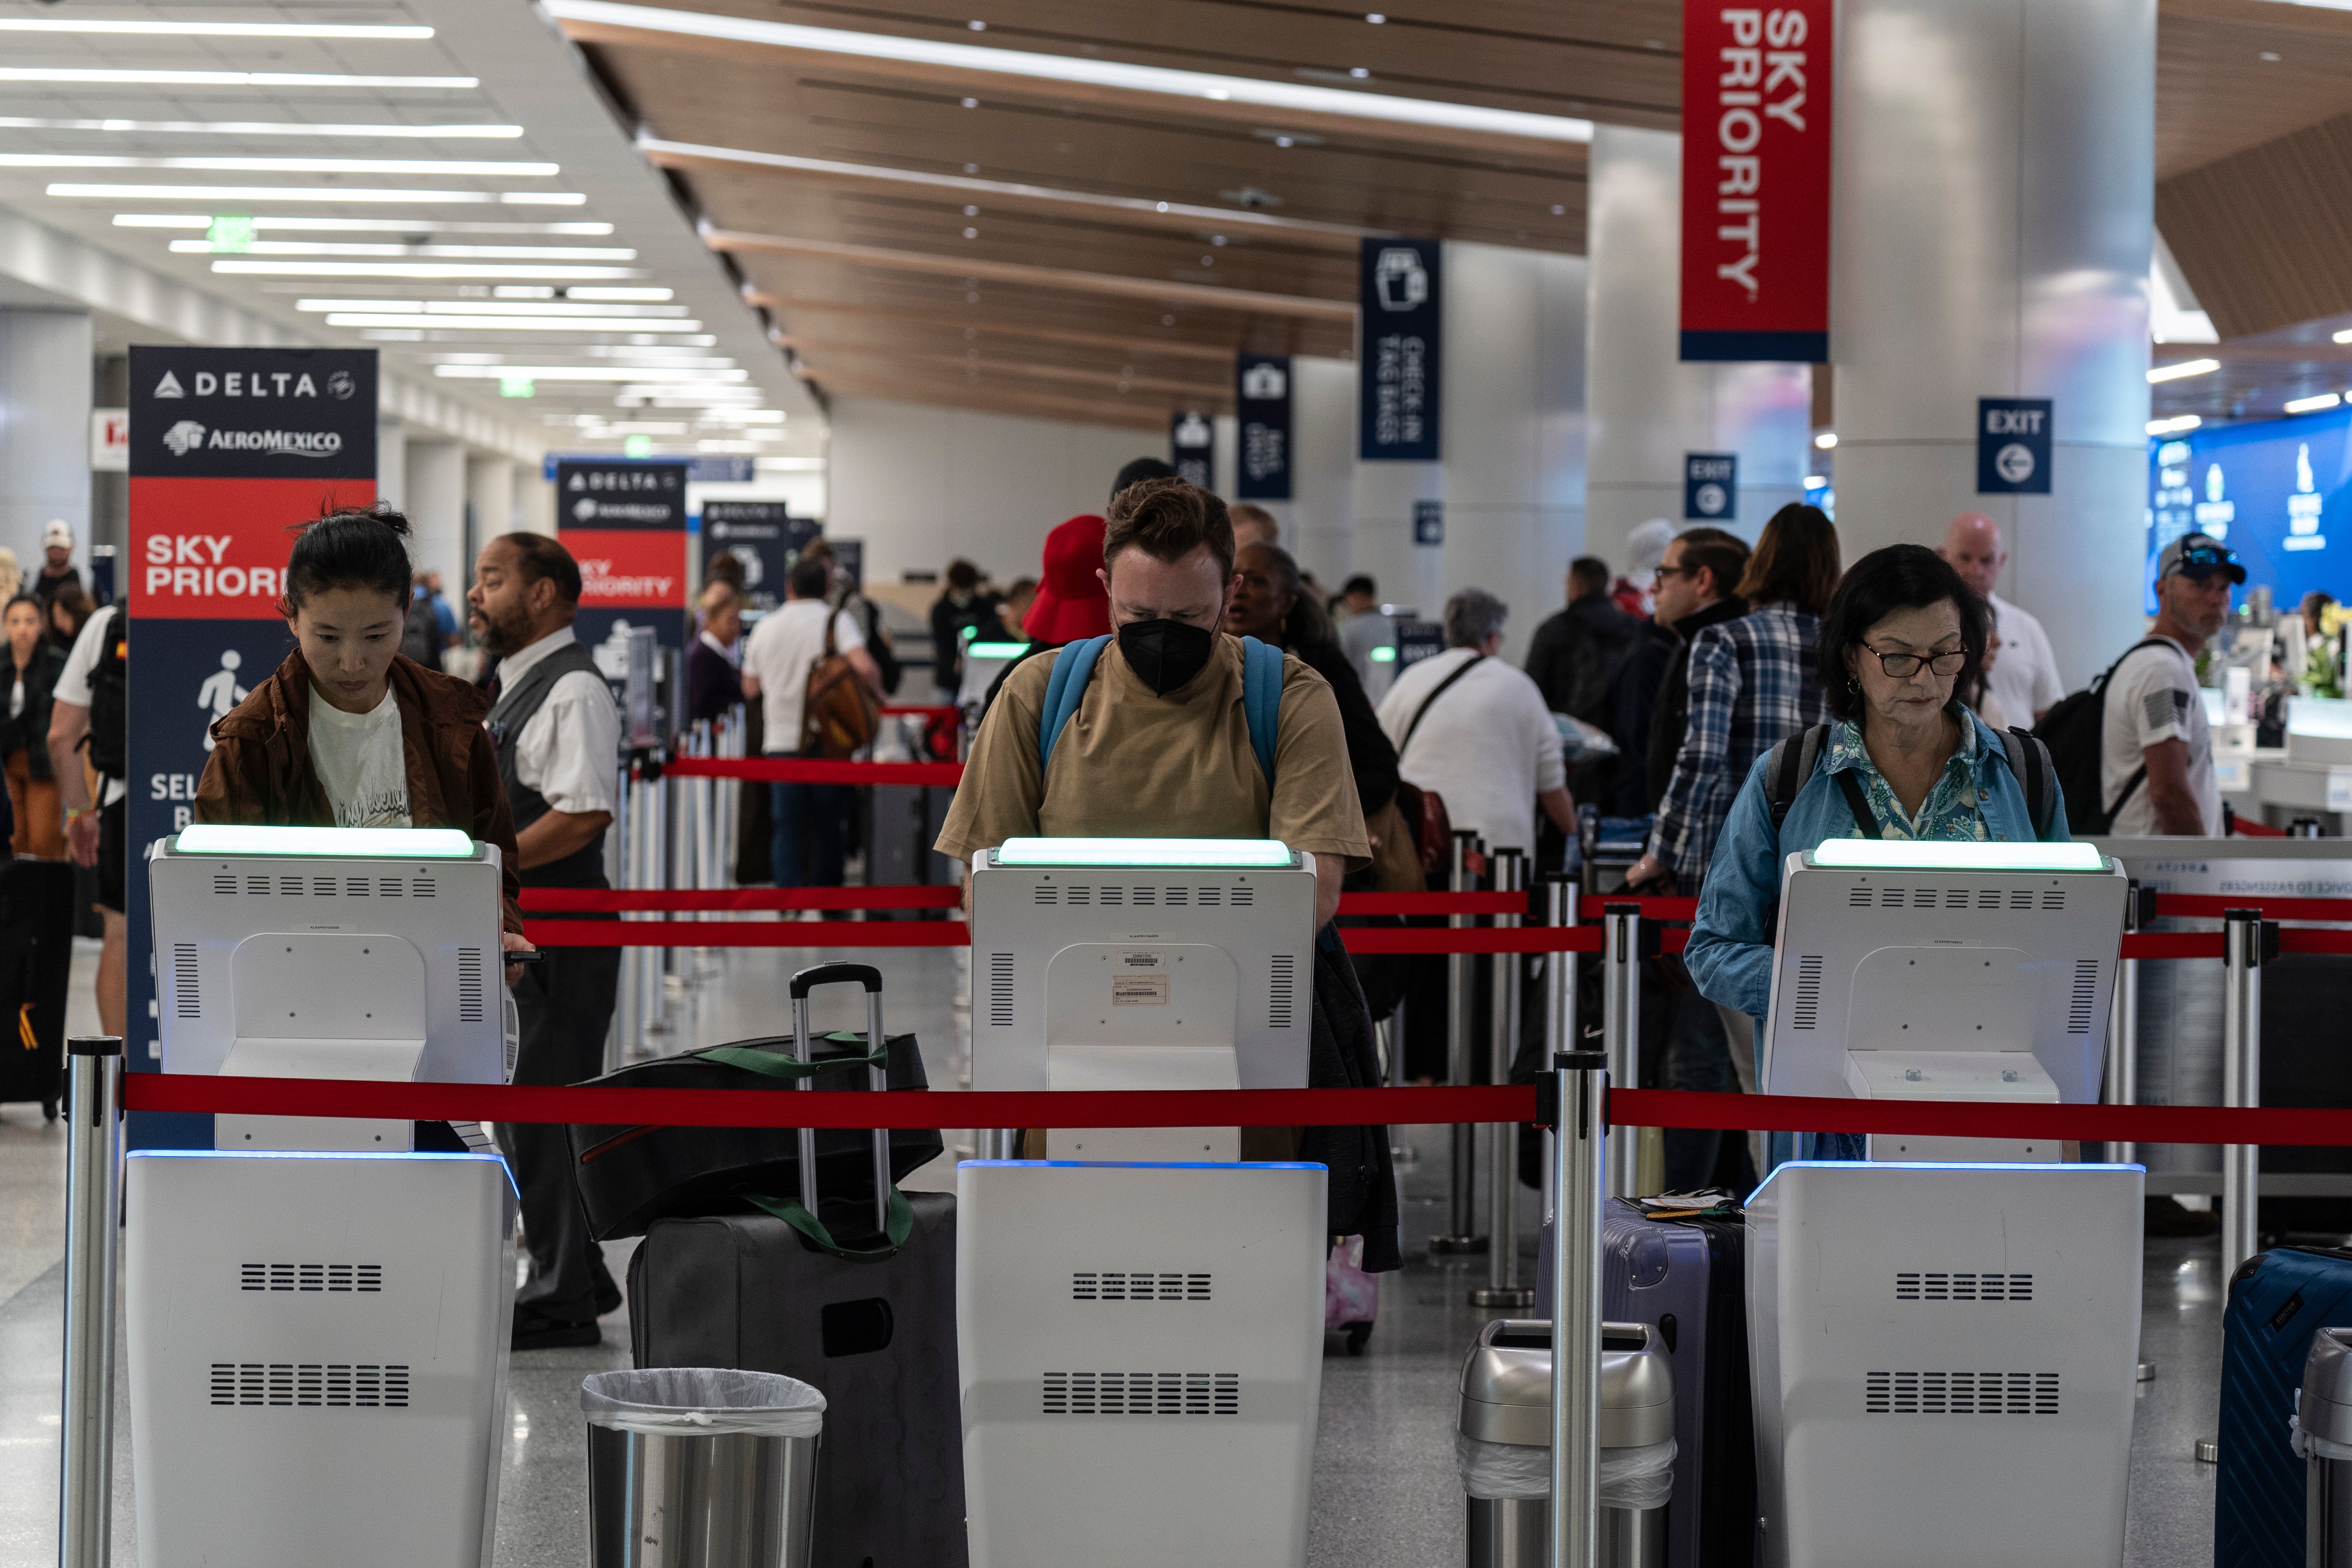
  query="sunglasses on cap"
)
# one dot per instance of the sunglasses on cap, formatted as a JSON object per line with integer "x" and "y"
{"x": 2200, "y": 562}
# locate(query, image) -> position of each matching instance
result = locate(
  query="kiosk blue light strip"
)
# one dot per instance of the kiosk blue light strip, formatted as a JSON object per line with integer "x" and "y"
{"x": 1246, "y": 854}
{"x": 1931, "y": 855}
{"x": 390, "y": 843}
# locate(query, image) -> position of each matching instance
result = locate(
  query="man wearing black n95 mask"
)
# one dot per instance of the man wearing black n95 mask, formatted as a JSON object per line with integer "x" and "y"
{"x": 1160, "y": 746}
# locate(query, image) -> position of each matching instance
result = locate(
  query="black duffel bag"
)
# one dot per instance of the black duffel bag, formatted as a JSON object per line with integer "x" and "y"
{"x": 633, "y": 1175}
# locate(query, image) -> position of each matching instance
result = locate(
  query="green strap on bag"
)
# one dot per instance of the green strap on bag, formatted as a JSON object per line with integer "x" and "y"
{"x": 899, "y": 1224}
{"x": 771, "y": 1065}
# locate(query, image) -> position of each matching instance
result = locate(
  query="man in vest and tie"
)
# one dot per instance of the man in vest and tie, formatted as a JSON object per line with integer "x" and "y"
{"x": 558, "y": 734}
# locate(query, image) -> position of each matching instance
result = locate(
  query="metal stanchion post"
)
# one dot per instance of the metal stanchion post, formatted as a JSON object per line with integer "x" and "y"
{"x": 2246, "y": 942}
{"x": 1580, "y": 1080}
{"x": 1559, "y": 999}
{"x": 1502, "y": 1288}
{"x": 1462, "y": 1230}
{"x": 1620, "y": 1028}
{"x": 2121, "y": 1085}
{"x": 93, "y": 1199}
{"x": 654, "y": 961}
{"x": 621, "y": 871}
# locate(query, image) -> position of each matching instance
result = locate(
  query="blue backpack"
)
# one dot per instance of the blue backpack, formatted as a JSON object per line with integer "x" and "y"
{"x": 1074, "y": 666}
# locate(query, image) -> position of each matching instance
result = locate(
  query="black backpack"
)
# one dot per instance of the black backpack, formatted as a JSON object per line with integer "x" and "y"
{"x": 110, "y": 706}
{"x": 2075, "y": 733}
{"x": 1792, "y": 763}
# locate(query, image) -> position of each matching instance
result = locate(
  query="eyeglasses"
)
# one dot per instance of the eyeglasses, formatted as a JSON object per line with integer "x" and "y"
{"x": 2201, "y": 560}
{"x": 1664, "y": 573}
{"x": 1903, "y": 665}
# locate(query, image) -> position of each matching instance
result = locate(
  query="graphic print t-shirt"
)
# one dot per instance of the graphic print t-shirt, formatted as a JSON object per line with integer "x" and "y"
{"x": 361, "y": 762}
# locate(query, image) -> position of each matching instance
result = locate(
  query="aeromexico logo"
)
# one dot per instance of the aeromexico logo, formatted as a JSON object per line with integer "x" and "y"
{"x": 188, "y": 435}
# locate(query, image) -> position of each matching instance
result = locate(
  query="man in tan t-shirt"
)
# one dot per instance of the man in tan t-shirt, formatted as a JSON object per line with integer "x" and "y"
{"x": 1160, "y": 745}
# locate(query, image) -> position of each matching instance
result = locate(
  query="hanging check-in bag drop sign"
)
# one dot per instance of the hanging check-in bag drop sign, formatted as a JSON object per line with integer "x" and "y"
{"x": 2013, "y": 446}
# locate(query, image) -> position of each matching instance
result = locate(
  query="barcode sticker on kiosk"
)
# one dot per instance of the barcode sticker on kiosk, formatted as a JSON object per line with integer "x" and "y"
{"x": 1138, "y": 991}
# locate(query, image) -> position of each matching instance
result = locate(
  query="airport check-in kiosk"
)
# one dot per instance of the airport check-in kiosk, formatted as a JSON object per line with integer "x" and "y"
{"x": 1944, "y": 1338}
{"x": 318, "y": 1309}
{"x": 1139, "y": 1318}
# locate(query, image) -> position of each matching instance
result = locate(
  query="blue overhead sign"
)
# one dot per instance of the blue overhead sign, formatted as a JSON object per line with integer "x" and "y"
{"x": 1402, "y": 318}
{"x": 1710, "y": 486}
{"x": 2277, "y": 491}
{"x": 2012, "y": 446}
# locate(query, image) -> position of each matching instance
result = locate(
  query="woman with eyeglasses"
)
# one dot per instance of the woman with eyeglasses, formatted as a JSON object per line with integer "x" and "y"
{"x": 1900, "y": 757}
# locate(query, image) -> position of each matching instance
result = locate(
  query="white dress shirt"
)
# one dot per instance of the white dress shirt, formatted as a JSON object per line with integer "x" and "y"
{"x": 570, "y": 750}
{"x": 2025, "y": 672}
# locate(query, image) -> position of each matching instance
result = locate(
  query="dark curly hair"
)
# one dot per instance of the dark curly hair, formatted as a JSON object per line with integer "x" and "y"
{"x": 1899, "y": 577}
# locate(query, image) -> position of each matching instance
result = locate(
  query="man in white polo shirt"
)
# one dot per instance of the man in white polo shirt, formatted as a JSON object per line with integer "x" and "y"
{"x": 2155, "y": 755}
{"x": 2024, "y": 675}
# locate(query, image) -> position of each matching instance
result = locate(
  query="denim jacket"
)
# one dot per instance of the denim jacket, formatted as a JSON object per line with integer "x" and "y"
{"x": 1730, "y": 952}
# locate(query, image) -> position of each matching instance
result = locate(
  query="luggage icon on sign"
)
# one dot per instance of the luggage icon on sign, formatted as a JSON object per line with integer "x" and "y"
{"x": 1401, "y": 279}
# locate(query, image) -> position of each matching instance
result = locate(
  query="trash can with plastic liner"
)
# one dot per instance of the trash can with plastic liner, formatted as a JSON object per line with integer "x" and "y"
{"x": 1503, "y": 1440}
{"x": 1504, "y": 1444}
{"x": 2323, "y": 1435}
{"x": 695, "y": 1467}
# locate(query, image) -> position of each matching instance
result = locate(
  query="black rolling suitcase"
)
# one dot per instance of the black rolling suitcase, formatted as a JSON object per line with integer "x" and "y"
{"x": 37, "y": 929}
{"x": 862, "y": 1306}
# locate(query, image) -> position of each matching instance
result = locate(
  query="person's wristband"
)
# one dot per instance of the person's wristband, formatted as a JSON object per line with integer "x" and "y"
{"x": 79, "y": 811}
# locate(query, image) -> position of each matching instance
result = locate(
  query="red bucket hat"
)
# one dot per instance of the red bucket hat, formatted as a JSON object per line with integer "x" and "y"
{"x": 1071, "y": 604}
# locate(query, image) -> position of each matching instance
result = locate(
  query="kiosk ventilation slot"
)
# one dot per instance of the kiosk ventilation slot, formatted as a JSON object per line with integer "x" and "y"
{"x": 1243, "y": 897}
{"x": 1209, "y": 898}
{"x": 1890, "y": 898}
{"x": 1147, "y": 897}
{"x": 1279, "y": 984}
{"x": 2020, "y": 899}
{"x": 356, "y": 887}
{"x": 315, "y": 1279}
{"x": 1934, "y": 1287}
{"x": 185, "y": 1003}
{"x": 1179, "y": 898}
{"x": 1859, "y": 898}
{"x": 291, "y": 885}
{"x": 1988, "y": 898}
{"x": 334, "y": 1385}
{"x": 322, "y": 886}
{"x": 1961, "y": 1393}
{"x": 1141, "y": 1393}
{"x": 1000, "y": 990}
{"x": 1140, "y": 1287}
{"x": 420, "y": 887}
{"x": 2053, "y": 899}
{"x": 470, "y": 985}
{"x": 1042, "y": 895}
{"x": 1806, "y": 1012}
{"x": 1923, "y": 898}
{"x": 1080, "y": 898}
{"x": 2087, "y": 989}
{"x": 256, "y": 886}
{"x": 387, "y": 887}
{"x": 224, "y": 885}
{"x": 1113, "y": 897}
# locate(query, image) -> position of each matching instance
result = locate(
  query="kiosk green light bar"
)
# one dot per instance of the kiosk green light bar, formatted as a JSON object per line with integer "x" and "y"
{"x": 1223, "y": 854}
{"x": 996, "y": 649}
{"x": 1953, "y": 855}
{"x": 388, "y": 843}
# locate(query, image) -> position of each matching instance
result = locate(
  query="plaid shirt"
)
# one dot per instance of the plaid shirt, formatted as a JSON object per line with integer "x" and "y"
{"x": 1751, "y": 684}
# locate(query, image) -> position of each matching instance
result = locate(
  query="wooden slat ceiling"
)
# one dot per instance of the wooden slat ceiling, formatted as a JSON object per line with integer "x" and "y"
{"x": 1058, "y": 316}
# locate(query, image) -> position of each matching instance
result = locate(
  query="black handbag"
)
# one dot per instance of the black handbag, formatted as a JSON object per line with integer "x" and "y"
{"x": 633, "y": 1175}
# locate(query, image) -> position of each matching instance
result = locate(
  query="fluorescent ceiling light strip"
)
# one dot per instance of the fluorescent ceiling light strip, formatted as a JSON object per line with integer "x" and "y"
{"x": 449, "y": 269}
{"x": 2187, "y": 367}
{"x": 1931, "y": 855}
{"x": 2317, "y": 404}
{"x": 496, "y": 308}
{"x": 511, "y": 323}
{"x": 642, "y": 372}
{"x": 1270, "y": 853}
{"x": 420, "y": 252}
{"x": 498, "y": 169}
{"x": 395, "y": 843}
{"x": 621, "y": 294}
{"x": 265, "y": 128}
{"x": 359, "y": 225}
{"x": 2174, "y": 426}
{"x": 217, "y": 29}
{"x": 98, "y": 76}
{"x": 1369, "y": 106}
{"x": 316, "y": 194}
{"x": 965, "y": 185}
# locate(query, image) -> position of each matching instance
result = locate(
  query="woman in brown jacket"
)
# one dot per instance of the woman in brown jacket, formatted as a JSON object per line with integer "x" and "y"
{"x": 347, "y": 732}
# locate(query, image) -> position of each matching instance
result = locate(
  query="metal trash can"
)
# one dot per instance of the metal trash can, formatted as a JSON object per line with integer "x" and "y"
{"x": 695, "y": 1467}
{"x": 2323, "y": 1435}
{"x": 1502, "y": 1442}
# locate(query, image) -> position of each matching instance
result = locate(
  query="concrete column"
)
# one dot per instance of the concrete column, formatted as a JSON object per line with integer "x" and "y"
{"x": 1647, "y": 409}
{"x": 1995, "y": 182}
{"x": 534, "y": 501}
{"x": 45, "y": 369}
{"x": 435, "y": 496}
{"x": 110, "y": 493}
{"x": 1381, "y": 498}
{"x": 391, "y": 463}
{"x": 1318, "y": 520}
{"x": 1514, "y": 389}
{"x": 490, "y": 510}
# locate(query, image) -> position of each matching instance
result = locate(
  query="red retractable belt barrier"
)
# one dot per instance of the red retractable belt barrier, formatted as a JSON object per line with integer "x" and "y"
{"x": 2208, "y": 906}
{"x": 2249, "y": 828}
{"x": 1217, "y": 1108}
{"x": 811, "y": 770}
{"x": 606, "y": 900}
{"x": 920, "y": 710}
{"x": 955, "y": 933}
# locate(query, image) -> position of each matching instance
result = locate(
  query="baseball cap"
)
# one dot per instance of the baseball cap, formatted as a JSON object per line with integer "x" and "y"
{"x": 2197, "y": 556}
{"x": 57, "y": 535}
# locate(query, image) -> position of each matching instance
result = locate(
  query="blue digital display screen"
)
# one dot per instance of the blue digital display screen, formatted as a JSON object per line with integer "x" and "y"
{"x": 2274, "y": 490}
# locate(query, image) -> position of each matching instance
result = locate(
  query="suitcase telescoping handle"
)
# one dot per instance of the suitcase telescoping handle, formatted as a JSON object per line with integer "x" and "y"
{"x": 878, "y": 1075}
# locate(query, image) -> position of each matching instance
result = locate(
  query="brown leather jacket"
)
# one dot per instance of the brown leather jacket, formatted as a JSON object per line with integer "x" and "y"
{"x": 260, "y": 769}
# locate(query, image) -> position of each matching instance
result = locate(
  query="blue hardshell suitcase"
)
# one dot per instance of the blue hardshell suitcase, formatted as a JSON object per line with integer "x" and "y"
{"x": 2278, "y": 1301}
{"x": 1689, "y": 1279}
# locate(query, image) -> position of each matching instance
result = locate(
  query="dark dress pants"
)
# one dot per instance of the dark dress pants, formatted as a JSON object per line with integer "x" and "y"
{"x": 566, "y": 1003}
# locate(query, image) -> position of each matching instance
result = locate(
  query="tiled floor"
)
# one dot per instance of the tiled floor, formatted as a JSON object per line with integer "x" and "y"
{"x": 1385, "y": 1490}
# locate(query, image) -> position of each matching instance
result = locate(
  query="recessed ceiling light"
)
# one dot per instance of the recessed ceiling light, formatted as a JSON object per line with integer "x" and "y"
{"x": 265, "y": 128}
{"x": 970, "y": 103}
{"x": 2174, "y": 426}
{"x": 1374, "y": 17}
{"x": 602, "y": 293}
{"x": 972, "y": 234}
{"x": 1072, "y": 68}
{"x": 2320, "y": 403}
{"x": 444, "y": 269}
{"x": 2187, "y": 367}
{"x": 2271, "y": 56}
{"x": 970, "y": 212}
{"x": 359, "y": 225}
{"x": 217, "y": 29}
{"x": 1826, "y": 440}
{"x": 227, "y": 78}
{"x": 639, "y": 373}
{"x": 422, "y": 252}
{"x": 508, "y": 324}
{"x": 494, "y": 169}
{"x": 1359, "y": 72}
{"x": 316, "y": 193}
{"x": 977, "y": 25}
{"x": 1558, "y": 210}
